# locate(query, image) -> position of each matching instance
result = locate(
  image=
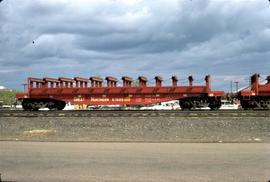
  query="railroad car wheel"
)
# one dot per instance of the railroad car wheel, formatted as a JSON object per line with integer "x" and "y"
{"x": 185, "y": 105}
{"x": 245, "y": 105}
{"x": 27, "y": 105}
{"x": 27, "y": 108}
{"x": 215, "y": 104}
{"x": 36, "y": 104}
{"x": 24, "y": 106}
{"x": 56, "y": 105}
{"x": 250, "y": 104}
{"x": 35, "y": 108}
{"x": 50, "y": 104}
{"x": 256, "y": 103}
{"x": 265, "y": 103}
{"x": 214, "y": 107}
{"x": 60, "y": 105}
{"x": 189, "y": 103}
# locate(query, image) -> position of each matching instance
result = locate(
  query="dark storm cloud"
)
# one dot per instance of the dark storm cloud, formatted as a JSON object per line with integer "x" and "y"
{"x": 227, "y": 38}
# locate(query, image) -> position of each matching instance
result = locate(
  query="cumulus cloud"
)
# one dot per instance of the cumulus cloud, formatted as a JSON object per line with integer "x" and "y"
{"x": 225, "y": 38}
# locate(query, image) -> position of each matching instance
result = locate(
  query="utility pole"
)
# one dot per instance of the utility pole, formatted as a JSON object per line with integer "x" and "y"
{"x": 236, "y": 86}
{"x": 231, "y": 86}
{"x": 24, "y": 86}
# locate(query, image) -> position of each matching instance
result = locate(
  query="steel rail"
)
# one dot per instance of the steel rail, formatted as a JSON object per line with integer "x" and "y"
{"x": 134, "y": 113}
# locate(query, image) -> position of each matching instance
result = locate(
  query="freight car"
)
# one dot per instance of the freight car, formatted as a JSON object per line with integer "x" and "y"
{"x": 258, "y": 96}
{"x": 53, "y": 93}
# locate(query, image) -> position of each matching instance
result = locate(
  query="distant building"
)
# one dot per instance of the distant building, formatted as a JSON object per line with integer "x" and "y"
{"x": 2, "y": 88}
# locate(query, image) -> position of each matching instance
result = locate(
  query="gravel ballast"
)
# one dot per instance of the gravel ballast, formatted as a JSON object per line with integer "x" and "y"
{"x": 136, "y": 129}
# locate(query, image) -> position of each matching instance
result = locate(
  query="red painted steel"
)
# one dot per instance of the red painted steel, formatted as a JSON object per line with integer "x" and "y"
{"x": 257, "y": 89}
{"x": 77, "y": 90}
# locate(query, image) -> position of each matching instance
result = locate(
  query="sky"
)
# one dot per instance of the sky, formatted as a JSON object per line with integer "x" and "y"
{"x": 228, "y": 39}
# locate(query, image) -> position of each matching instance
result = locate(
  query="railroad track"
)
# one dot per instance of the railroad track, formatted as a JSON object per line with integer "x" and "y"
{"x": 134, "y": 113}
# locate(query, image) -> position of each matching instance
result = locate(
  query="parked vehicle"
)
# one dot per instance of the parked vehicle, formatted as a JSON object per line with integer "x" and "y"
{"x": 170, "y": 105}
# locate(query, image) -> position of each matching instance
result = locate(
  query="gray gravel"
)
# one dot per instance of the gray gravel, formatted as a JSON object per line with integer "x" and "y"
{"x": 132, "y": 129}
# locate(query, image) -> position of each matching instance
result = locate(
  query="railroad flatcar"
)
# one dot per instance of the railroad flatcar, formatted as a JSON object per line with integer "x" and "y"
{"x": 54, "y": 93}
{"x": 257, "y": 96}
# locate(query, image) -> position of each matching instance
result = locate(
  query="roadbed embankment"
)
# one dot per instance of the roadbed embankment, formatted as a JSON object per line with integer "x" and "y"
{"x": 136, "y": 129}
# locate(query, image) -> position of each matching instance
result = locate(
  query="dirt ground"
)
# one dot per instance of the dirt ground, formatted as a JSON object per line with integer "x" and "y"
{"x": 134, "y": 162}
